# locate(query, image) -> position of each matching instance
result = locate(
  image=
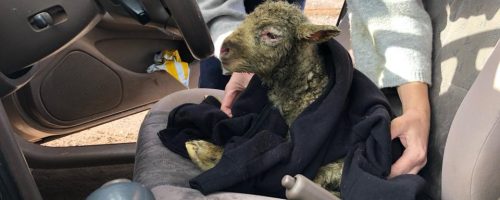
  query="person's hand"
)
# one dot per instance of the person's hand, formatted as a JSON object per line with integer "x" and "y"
{"x": 237, "y": 83}
{"x": 412, "y": 128}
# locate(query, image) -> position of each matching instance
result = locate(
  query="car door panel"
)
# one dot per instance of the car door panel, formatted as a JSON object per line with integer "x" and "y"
{"x": 25, "y": 43}
{"x": 100, "y": 77}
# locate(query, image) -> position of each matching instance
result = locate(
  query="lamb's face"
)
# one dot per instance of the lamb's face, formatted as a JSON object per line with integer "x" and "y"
{"x": 263, "y": 40}
{"x": 273, "y": 34}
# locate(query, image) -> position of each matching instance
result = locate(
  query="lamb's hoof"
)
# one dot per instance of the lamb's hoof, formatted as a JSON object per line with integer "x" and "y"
{"x": 329, "y": 177}
{"x": 204, "y": 154}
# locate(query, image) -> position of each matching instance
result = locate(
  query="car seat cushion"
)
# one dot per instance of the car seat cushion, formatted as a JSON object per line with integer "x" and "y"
{"x": 154, "y": 164}
{"x": 175, "y": 192}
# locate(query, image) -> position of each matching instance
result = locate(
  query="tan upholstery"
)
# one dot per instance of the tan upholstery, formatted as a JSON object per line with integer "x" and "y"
{"x": 465, "y": 32}
{"x": 471, "y": 163}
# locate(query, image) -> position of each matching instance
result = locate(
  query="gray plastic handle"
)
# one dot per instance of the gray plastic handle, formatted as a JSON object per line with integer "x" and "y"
{"x": 301, "y": 188}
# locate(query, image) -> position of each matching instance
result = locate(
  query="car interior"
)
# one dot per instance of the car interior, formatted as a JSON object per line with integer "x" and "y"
{"x": 66, "y": 66}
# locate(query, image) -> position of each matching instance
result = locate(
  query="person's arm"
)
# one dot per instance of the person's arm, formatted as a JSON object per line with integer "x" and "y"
{"x": 412, "y": 128}
{"x": 391, "y": 41}
{"x": 392, "y": 45}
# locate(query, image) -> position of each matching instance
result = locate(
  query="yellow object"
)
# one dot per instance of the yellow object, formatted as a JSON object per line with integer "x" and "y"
{"x": 175, "y": 67}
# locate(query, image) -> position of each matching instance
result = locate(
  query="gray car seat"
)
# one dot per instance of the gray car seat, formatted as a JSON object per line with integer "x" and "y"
{"x": 465, "y": 33}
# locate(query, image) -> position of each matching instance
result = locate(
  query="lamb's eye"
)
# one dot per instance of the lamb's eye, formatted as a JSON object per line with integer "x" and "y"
{"x": 271, "y": 36}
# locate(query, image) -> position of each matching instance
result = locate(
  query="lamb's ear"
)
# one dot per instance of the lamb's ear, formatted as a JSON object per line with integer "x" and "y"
{"x": 317, "y": 33}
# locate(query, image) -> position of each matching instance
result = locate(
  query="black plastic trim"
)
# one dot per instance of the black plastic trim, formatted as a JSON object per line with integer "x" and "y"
{"x": 39, "y": 156}
{"x": 16, "y": 163}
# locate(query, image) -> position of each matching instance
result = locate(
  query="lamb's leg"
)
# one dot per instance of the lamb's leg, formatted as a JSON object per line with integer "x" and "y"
{"x": 204, "y": 154}
{"x": 329, "y": 176}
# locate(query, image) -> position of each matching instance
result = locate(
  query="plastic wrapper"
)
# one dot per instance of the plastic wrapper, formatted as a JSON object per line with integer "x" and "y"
{"x": 170, "y": 61}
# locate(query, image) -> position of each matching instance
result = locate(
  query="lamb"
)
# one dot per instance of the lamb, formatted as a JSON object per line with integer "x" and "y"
{"x": 279, "y": 45}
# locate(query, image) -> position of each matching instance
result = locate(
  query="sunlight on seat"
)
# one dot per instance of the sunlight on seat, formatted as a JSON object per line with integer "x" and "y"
{"x": 482, "y": 55}
{"x": 496, "y": 82}
{"x": 449, "y": 67}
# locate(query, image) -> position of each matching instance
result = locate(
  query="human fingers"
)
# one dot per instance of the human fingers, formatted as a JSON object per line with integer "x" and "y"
{"x": 228, "y": 100}
{"x": 414, "y": 139}
{"x": 397, "y": 127}
{"x": 411, "y": 162}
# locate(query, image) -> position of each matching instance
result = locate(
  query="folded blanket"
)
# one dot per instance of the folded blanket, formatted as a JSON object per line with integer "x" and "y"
{"x": 350, "y": 120}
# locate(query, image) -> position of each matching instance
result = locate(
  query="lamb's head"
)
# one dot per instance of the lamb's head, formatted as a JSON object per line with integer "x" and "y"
{"x": 275, "y": 33}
